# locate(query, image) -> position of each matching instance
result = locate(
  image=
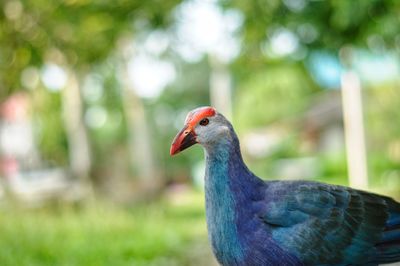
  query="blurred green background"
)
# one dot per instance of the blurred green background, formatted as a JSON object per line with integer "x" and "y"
{"x": 93, "y": 92}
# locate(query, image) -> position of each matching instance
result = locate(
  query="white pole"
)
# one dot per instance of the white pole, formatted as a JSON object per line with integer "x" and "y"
{"x": 354, "y": 130}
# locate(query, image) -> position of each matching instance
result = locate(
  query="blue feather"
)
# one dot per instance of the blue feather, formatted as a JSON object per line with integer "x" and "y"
{"x": 220, "y": 209}
{"x": 394, "y": 220}
{"x": 232, "y": 194}
{"x": 392, "y": 235}
{"x": 252, "y": 222}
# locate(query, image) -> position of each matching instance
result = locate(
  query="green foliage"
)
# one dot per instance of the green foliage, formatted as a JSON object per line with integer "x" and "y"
{"x": 49, "y": 127}
{"x": 160, "y": 233}
{"x": 273, "y": 93}
{"x": 114, "y": 130}
{"x": 333, "y": 169}
{"x": 337, "y": 22}
{"x": 317, "y": 25}
{"x": 75, "y": 33}
{"x": 381, "y": 108}
{"x": 83, "y": 36}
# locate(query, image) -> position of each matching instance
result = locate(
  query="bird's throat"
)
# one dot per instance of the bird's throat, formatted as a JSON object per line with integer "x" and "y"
{"x": 220, "y": 206}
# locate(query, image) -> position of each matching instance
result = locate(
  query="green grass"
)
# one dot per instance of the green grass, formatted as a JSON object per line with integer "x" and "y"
{"x": 170, "y": 232}
{"x": 167, "y": 232}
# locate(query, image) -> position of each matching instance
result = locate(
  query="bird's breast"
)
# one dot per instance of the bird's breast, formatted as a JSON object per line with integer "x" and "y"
{"x": 237, "y": 234}
{"x": 221, "y": 217}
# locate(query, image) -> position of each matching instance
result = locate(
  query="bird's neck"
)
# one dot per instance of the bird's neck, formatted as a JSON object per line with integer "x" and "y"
{"x": 226, "y": 178}
{"x": 225, "y": 165}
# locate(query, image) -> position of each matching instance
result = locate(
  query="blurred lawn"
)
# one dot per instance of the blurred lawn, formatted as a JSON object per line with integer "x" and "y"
{"x": 171, "y": 231}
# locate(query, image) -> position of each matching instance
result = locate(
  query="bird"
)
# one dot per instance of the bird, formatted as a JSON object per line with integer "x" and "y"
{"x": 254, "y": 222}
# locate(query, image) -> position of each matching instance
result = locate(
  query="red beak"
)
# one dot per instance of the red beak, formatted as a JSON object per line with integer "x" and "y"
{"x": 183, "y": 140}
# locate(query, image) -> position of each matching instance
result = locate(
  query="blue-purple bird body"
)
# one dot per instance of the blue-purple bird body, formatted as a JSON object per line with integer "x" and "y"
{"x": 254, "y": 222}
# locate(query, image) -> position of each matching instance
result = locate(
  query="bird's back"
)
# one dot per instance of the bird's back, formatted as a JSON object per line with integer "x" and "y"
{"x": 252, "y": 222}
{"x": 332, "y": 225}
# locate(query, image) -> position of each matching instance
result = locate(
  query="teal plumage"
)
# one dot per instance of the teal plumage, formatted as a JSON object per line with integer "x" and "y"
{"x": 220, "y": 208}
{"x": 256, "y": 222}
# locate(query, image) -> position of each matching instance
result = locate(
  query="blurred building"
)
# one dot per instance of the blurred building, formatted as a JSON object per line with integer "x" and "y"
{"x": 319, "y": 131}
{"x": 322, "y": 124}
{"x": 22, "y": 172}
{"x": 17, "y": 147}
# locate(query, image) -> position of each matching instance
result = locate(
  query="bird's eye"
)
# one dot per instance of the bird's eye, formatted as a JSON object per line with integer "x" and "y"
{"x": 204, "y": 122}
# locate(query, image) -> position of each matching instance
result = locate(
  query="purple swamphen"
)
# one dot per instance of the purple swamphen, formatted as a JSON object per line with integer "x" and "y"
{"x": 254, "y": 222}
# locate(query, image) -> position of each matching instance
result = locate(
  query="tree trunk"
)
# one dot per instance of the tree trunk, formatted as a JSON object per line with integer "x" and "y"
{"x": 79, "y": 147}
{"x": 139, "y": 137}
{"x": 220, "y": 87}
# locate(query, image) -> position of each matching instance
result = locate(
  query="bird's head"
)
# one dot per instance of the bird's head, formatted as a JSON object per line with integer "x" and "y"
{"x": 203, "y": 125}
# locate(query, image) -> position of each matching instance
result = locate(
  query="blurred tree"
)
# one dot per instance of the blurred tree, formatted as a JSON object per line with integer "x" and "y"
{"x": 188, "y": 91}
{"x": 73, "y": 32}
{"x": 278, "y": 92}
{"x": 294, "y": 30}
{"x": 74, "y": 35}
{"x": 319, "y": 24}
